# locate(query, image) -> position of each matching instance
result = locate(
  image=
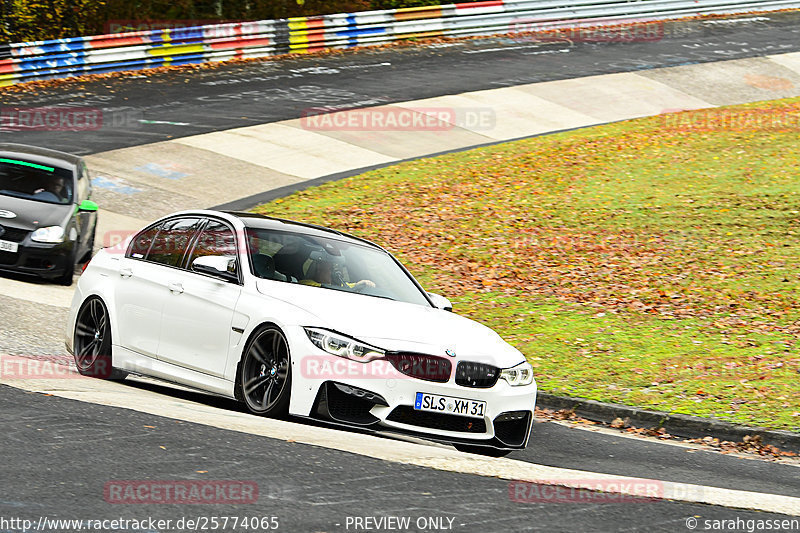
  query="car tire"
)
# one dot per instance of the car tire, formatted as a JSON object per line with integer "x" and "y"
{"x": 482, "y": 450}
{"x": 264, "y": 375}
{"x": 92, "y": 341}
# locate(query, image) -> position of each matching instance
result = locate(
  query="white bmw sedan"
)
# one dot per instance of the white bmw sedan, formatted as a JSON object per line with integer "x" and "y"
{"x": 292, "y": 318}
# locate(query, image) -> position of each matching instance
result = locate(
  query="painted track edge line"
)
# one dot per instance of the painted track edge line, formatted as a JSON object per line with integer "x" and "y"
{"x": 249, "y": 202}
{"x": 677, "y": 424}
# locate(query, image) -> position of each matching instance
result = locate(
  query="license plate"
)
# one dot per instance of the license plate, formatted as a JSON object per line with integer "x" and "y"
{"x": 447, "y": 404}
{"x": 8, "y": 246}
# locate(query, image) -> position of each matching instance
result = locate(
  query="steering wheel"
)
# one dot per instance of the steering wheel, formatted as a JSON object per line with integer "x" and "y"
{"x": 338, "y": 279}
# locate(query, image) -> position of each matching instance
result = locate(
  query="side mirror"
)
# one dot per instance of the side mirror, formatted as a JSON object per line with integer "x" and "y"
{"x": 440, "y": 302}
{"x": 87, "y": 205}
{"x": 220, "y": 266}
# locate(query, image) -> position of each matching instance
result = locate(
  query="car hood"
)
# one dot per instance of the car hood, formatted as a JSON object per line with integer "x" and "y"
{"x": 31, "y": 214}
{"x": 395, "y": 325}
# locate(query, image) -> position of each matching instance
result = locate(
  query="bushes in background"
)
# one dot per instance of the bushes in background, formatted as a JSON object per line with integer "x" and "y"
{"x": 31, "y": 20}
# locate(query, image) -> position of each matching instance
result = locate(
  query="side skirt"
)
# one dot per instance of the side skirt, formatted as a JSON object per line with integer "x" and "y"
{"x": 136, "y": 363}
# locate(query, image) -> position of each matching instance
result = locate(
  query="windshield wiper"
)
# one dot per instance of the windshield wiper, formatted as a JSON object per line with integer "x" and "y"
{"x": 350, "y": 291}
{"x": 377, "y": 296}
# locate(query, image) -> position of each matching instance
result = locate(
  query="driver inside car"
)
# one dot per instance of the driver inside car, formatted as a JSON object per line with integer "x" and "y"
{"x": 53, "y": 190}
{"x": 321, "y": 273}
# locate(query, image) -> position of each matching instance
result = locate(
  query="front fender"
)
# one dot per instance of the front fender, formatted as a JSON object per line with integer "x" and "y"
{"x": 96, "y": 280}
{"x": 253, "y": 311}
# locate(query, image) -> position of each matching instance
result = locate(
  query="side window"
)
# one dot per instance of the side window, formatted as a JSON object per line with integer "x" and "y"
{"x": 140, "y": 244}
{"x": 169, "y": 246}
{"x": 216, "y": 239}
{"x": 262, "y": 247}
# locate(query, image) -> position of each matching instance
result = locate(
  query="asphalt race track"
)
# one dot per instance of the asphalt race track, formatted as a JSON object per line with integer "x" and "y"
{"x": 83, "y": 446}
{"x": 60, "y": 452}
{"x": 179, "y": 104}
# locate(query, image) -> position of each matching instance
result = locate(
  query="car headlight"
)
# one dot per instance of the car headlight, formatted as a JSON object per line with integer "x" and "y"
{"x": 520, "y": 375}
{"x": 50, "y": 234}
{"x": 342, "y": 346}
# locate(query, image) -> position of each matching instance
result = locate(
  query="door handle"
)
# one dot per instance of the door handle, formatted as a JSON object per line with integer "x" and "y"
{"x": 175, "y": 286}
{"x": 125, "y": 272}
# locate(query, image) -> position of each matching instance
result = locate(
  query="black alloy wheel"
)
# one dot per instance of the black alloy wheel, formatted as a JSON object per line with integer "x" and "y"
{"x": 264, "y": 378}
{"x": 92, "y": 341}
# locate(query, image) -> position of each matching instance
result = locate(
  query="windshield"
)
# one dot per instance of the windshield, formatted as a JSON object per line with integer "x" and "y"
{"x": 330, "y": 264}
{"x": 32, "y": 181}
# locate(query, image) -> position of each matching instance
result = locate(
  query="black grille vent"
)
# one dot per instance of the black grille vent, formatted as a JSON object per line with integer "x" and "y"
{"x": 476, "y": 375}
{"x": 405, "y": 414}
{"x": 13, "y": 234}
{"x": 420, "y": 366}
{"x": 8, "y": 258}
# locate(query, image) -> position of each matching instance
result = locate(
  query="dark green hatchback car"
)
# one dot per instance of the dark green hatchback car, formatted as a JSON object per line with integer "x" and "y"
{"x": 47, "y": 220}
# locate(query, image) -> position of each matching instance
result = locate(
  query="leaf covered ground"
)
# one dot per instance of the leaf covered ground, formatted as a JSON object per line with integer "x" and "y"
{"x": 651, "y": 262}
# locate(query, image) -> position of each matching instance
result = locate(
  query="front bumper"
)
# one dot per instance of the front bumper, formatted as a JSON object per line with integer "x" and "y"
{"x": 42, "y": 260}
{"x": 376, "y": 396}
{"x": 354, "y": 406}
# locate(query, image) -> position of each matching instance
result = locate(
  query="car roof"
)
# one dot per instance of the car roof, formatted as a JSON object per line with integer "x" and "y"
{"x": 38, "y": 154}
{"x": 259, "y": 221}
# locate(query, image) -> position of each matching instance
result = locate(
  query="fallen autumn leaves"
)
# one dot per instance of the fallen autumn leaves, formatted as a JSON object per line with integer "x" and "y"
{"x": 649, "y": 262}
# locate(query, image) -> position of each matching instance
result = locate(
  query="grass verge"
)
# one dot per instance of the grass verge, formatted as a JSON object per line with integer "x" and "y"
{"x": 651, "y": 262}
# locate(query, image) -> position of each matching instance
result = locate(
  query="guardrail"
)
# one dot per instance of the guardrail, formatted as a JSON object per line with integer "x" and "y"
{"x": 79, "y": 56}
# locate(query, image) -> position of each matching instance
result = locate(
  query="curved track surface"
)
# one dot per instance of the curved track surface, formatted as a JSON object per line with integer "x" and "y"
{"x": 307, "y": 488}
{"x": 177, "y": 104}
{"x": 181, "y": 104}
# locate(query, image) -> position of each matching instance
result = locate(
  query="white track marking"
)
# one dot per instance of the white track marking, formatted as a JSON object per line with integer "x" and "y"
{"x": 40, "y": 292}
